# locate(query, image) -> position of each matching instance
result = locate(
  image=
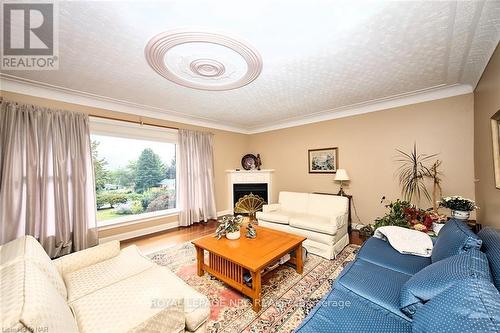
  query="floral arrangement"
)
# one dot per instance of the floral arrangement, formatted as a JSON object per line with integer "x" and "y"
{"x": 229, "y": 223}
{"x": 403, "y": 214}
{"x": 418, "y": 219}
{"x": 458, "y": 203}
{"x": 439, "y": 218}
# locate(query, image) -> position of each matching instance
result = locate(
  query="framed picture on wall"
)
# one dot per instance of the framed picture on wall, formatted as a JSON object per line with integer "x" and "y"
{"x": 324, "y": 160}
{"x": 495, "y": 136}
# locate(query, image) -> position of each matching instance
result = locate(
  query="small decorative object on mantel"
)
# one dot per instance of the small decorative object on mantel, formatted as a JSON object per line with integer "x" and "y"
{"x": 323, "y": 160}
{"x": 249, "y": 162}
{"x": 249, "y": 204}
{"x": 229, "y": 226}
{"x": 251, "y": 232}
{"x": 341, "y": 176}
{"x": 460, "y": 207}
{"x": 259, "y": 162}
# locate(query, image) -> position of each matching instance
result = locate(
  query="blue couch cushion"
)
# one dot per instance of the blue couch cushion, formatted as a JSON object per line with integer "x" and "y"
{"x": 437, "y": 277}
{"x": 375, "y": 283}
{"x": 342, "y": 311}
{"x": 454, "y": 238}
{"x": 380, "y": 252}
{"x": 491, "y": 246}
{"x": 464, "y": 307}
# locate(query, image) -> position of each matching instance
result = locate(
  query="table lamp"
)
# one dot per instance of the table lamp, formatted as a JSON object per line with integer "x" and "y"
{"x": 341, "y": 176}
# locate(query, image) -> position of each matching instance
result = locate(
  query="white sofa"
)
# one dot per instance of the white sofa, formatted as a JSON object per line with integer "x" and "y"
{"x": 320, "y": 218}
{"x": 100, "y": 289}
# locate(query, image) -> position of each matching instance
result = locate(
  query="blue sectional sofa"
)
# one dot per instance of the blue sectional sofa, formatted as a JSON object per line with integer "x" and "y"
{"x": 455, "y": 290}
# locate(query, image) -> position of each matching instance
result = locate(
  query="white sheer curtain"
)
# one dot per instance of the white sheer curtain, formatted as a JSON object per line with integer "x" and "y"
{"x": 196, "y": 177}
{"x": 46, "y": 178}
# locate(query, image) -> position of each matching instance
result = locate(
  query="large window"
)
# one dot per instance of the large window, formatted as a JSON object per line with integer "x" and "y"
{"x": 135, "y": 170}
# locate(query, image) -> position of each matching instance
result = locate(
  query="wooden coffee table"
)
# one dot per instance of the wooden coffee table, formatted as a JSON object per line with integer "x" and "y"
{"x": 229, "y": 259}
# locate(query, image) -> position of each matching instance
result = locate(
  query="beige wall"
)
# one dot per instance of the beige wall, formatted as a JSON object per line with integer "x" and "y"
{"x": 366, "y": 146}
{"x": 228, "y": 149}
{"x": 486, "y": 103}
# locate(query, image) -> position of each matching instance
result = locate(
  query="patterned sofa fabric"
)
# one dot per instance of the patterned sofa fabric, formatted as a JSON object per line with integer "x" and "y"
{"x": 108, "y": 290}
{"x": 468, "y": 307}
{"x": 491, "y": 246}
{"x": 375, "y": 283}
{"x": 89, "y": 279}
{"x": 441, "y": 275}
{"x": 344, "y": 311}
{"x": 380, "y": 252}
{"x": 454, "y": 238}
{"x": 28, "y": 248}
{"x": 137, "y": 301}
{"x": 30, "y": 303}
{"x": 91, "y": 256}
{"x": 452, "y": 294}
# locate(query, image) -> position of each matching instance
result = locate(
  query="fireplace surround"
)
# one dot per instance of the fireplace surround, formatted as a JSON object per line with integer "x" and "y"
{"x": 241, "y": 182}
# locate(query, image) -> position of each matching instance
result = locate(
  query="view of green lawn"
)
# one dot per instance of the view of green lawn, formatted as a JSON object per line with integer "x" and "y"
{"x": 106, "y": 214}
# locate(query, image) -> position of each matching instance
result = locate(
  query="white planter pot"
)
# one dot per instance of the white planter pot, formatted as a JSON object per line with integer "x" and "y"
{"x": 233, "y": 235}
{"x": 436, "y": 227}
{"x": 460, "y": 215}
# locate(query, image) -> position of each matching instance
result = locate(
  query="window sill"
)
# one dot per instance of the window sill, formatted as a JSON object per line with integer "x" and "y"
{"x": 131, "y": 220}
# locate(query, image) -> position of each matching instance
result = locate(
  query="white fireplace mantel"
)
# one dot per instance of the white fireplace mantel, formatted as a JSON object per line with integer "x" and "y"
{"x": 249, "y": 177}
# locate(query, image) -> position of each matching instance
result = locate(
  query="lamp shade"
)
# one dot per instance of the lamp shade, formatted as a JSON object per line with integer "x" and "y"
{"x": 341, "y": 175}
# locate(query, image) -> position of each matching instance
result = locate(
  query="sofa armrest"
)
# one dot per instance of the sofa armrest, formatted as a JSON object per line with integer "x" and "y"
{"x": 339, "y": 219}
{"x": 91, "y": 256}
{"x": 270, "y": 208}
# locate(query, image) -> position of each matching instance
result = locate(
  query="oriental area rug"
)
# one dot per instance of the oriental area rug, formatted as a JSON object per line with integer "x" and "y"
{"x": 287, "y": 297}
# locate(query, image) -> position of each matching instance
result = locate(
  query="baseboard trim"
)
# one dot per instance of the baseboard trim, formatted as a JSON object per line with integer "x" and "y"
{"x": 224, "y": 212}
{"x": 140, "y": 232}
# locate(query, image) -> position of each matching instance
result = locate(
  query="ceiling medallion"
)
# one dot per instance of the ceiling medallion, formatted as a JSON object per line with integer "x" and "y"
{"x": 216, "y": 62}
{"x": 207, "y": 67}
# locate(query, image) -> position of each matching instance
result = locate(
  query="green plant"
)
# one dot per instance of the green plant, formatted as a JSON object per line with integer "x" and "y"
{"x": 150, "y": 195}
{"x": 150, "y": 170}
{"x": 458, "y": 203}
{"x": 396, "y": 215}
{"x": 435, "y": 174}
{"x": 110, "y": 198}
{"x": 117, "y": 198}
{"x": 128, "y": 208}
{"x": 161, "y": 202}
{"x": 229, "y": 223}
{"x": 366, "y": 231}
{"x": 412, "y": 174}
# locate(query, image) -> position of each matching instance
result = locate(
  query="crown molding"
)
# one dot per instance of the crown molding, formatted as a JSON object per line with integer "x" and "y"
{"x": 415, "y": 97}
{"x": 43, "y": 90}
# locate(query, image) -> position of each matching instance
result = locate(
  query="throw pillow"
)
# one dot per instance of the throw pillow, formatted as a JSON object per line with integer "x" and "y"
{"x": 454, "y": 238}
{"x": 439, "y": 276}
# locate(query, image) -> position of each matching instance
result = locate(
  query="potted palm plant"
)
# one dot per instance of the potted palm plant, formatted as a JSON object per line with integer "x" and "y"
{"x": 460, "y": 207}
{"x": 413, "y": 172}
{"x": 229, "y": 226}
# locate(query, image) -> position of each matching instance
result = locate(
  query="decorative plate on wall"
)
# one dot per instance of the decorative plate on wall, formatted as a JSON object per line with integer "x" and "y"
{"x": 249, "y": 162}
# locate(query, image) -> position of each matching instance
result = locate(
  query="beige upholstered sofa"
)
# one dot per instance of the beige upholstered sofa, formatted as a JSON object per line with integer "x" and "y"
{"x": 320, "y": 218}
{"x": 101, "y": 289}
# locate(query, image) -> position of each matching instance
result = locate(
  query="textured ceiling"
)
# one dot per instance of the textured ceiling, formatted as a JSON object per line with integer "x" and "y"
{"x": 318, "y": 56}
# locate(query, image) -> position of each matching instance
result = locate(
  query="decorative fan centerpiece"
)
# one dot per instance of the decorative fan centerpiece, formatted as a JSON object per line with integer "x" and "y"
{"x": 249, "y": 204}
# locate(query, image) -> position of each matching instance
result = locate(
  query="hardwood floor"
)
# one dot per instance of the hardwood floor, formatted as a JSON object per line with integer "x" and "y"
{"x": 159, "y": 241}
{"x": 179, "y": 235}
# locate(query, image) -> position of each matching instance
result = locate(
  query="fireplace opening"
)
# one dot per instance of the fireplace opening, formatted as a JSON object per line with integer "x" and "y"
{"x": 240, "y": 190}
